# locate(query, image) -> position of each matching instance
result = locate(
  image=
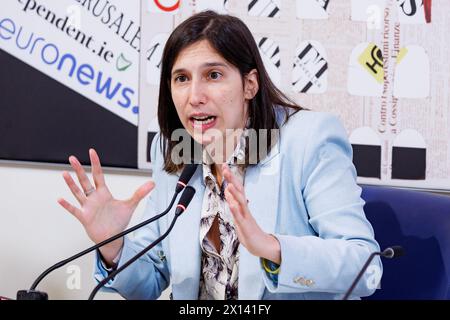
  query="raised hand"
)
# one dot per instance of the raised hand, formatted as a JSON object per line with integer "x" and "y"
{"x": 251, "y": 236}
{"x": 100, "y": 213}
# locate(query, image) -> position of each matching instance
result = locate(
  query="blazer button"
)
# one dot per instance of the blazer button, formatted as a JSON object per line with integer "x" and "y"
{"x": 161, "y": 256}
{"x": 303, "y": 281}
{"x": 300, "y": 281}
{"x": 309, "y": 283}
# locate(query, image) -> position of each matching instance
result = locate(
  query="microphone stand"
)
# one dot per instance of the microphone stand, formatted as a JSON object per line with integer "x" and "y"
{"x": 360, "y": 274}
{"x": 391, "y": 252}
{"x": 186, "y": 197}
{"x": 33, "y": 294}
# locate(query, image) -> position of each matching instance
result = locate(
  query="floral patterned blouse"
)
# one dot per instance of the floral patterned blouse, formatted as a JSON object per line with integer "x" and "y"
{"x": 219, "y": 270}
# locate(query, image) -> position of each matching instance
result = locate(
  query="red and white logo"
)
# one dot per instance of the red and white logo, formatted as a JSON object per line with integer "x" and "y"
{"x": 164, "y": 6}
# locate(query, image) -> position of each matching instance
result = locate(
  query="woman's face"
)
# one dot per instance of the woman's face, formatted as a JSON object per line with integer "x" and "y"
{"x": 209, "y": 94}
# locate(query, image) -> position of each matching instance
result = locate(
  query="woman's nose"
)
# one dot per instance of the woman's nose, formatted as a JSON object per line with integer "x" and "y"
{"x": 197, "y": 94}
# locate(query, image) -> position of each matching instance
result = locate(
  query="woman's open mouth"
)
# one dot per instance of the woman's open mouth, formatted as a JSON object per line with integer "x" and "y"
{"x": 203, "y": 123}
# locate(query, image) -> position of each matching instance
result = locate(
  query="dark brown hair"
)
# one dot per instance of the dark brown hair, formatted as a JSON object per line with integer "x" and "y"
{"x": 231, "y": 38}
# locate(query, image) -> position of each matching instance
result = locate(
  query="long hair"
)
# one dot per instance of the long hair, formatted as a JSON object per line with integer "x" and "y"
{"x": 232, "y": 39}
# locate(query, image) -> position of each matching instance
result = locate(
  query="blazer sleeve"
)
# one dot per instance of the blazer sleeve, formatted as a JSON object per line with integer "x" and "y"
{"x": 147, "y": 277}
{"x": 329, "y": 260}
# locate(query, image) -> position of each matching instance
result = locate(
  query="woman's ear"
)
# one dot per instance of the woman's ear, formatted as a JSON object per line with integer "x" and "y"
{"x": 251, "y": 84}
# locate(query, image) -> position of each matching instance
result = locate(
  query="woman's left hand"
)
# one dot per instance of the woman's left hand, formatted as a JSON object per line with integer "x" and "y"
{"x": 252, "y": 237}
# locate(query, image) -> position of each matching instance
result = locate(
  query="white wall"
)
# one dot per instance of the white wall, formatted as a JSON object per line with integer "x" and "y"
{"x": 35, "y": 232}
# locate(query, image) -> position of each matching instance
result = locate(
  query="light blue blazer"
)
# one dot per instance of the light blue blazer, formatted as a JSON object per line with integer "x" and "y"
{"x": 304, "y": 192}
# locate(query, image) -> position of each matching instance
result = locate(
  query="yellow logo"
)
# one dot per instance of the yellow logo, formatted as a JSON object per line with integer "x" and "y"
{"x": 372, "y": 60}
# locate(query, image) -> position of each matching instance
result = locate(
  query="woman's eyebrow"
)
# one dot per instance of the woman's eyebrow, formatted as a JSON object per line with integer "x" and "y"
{"x": 204, "y": 65}
{"x": 214, "y": 64}
{"x": 179, "y": 70}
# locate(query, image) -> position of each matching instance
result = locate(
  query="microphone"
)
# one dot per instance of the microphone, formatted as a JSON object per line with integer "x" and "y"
{"x": 393, "y": 252}
{"x": 33, "y": 294}
{"x": 390, "y": 252}
{"x": 185, "y": 199}
{"x": 185, "y": 176}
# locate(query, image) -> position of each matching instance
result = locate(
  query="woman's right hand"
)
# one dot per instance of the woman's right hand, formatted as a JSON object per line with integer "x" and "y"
{"x": 101, "y": 215}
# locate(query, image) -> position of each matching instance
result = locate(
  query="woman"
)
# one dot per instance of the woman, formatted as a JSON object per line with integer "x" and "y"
{"x": 287, "y": 225}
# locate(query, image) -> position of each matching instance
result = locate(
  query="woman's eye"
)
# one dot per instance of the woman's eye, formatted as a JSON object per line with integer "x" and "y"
{"x": 215, "y": 75}
{"x": 180, "y": 79}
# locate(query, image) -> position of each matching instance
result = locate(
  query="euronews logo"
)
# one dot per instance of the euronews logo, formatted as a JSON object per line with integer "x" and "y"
{"x": 85, "y": 74}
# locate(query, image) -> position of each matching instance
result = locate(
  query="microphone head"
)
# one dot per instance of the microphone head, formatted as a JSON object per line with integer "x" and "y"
{"x": 186, "y": 175}
{"x": 393, "y": 252}
{"x": 185, "y": 199}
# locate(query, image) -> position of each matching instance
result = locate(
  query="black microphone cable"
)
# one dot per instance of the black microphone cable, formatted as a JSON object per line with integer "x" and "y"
{"x": 33, "y": 294}
{"x": 185, "y": 199}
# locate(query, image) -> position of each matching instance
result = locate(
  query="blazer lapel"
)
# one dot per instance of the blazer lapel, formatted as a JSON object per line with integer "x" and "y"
{"x": 261, "y": 188}
{"x": 184, "y": 242}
